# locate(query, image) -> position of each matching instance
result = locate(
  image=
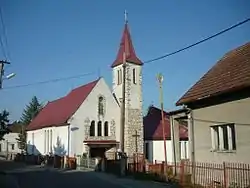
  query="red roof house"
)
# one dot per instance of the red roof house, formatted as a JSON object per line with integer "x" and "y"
{"x": 57, "y": 112}
{"x": 153, "y": 126}
{"x": 230, "y": 74}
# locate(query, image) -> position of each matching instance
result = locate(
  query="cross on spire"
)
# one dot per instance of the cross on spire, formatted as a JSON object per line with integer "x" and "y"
{"x": 126, "y": 16}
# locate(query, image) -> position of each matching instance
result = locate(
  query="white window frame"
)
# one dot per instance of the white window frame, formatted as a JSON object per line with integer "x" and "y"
{"x": 221, "y": 132}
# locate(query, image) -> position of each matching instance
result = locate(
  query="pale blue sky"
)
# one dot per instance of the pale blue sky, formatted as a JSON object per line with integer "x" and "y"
{"x": 59, "y": 38}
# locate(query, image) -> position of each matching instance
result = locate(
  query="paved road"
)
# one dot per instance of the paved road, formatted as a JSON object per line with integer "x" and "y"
{"x": 35, "y": 176}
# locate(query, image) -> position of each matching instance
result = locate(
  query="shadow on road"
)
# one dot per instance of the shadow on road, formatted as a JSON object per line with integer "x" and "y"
{"x": 10, "y": 165}
{"x": 25, "y": 176}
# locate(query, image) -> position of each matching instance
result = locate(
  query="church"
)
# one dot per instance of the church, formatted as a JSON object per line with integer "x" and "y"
{"x": 87, "y": 119}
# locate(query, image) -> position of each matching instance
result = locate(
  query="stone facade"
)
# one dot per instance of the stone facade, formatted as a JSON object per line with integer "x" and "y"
{"x": 134, "y": 116}
{"x": 111, "y": 132}
{"x": 109, "y": 153}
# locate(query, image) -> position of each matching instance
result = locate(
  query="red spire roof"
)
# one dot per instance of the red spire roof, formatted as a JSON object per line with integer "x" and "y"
{"x": 126, "y": 46}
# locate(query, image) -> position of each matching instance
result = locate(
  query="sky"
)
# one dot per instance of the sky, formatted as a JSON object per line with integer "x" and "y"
{"x": 48, "y": 39}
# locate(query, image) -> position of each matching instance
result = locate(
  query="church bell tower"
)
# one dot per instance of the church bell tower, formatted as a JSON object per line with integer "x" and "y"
{"x": 133, "y": 128}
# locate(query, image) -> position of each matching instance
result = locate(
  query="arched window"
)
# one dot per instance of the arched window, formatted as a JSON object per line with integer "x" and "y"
{"x": 99, "y": 128}
{"x": 134, "y": 76}
{"x": 101, "y": 106}
{"x": 106, "y": 128}
{"x": 92, "y": 129}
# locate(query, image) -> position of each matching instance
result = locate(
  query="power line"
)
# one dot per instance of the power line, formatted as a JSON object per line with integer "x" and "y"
{"x": 199, "y": 42}
{"x": 5, "y": 53}
{"x": 51, "y": 80}
{"x": 2, "y": 46}
{"x": 145, "y": 62}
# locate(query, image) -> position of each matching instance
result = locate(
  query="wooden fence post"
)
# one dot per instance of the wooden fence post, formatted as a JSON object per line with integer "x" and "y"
{"x": 182, "y": 171}
{"x": 134, "y": 163}
{"x": 224, "y": 175}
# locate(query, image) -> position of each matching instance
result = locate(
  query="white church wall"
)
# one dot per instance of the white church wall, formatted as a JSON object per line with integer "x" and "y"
{"x": 156, "y": 150}
{"x": 89, "y": 111}
{"x": 48, "y": 140}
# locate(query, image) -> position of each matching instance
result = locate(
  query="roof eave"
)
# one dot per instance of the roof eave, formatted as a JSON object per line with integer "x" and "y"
{"x": 117, "y": 63}
{"x": 47, "y": 126}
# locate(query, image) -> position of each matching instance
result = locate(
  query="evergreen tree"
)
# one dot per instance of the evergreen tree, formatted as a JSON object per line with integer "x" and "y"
{"x": 4, "y": 120}
{"x": 29, "y": 113}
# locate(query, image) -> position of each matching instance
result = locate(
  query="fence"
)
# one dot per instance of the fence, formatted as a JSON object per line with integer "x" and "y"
{"x": 226, "y": 175}
{"x": 207, "y": 174}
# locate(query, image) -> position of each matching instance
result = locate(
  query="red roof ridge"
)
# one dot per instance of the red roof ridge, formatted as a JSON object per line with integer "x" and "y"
{"x": 64, "y": 107}
{"x": 230, "y": 73}
{"x": 126, "y": 45}
{"x": 235, "y": 51}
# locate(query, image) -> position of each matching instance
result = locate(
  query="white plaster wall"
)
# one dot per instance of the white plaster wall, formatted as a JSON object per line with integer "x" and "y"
{"x": 156, "y": 150}
{"x": 89, "y": 110}
{"x": 9, "y": 140}
{"x": 59, "y": 139}
{"x": 134, "y": 88}
{"x": 231, "y": 112}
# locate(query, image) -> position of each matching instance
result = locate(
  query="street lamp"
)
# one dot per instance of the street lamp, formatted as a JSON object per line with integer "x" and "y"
{"x": 10, "y": 76}
{"x": 160, "y": 81}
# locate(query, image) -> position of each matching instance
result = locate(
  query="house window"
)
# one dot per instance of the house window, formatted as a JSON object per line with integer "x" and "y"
{"x": 147, "y": 150}
{"x": 101, "y": 106}
{"x": 223, "y": 137}
{"x": 106, "y": 128}
{"x": 50, "y": 141}
{"x": 12, "y": 146}
{"x": 45, "y": 141}
{"x": 99, "y": 128}
{"x": 134, "y": 76}
{"x": 119, "y": 77}
{"x": 92, "y": 128}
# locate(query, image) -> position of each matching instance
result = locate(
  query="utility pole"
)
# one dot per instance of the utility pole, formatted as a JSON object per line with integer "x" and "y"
{"x": 160, "y": 80}
{"x": 2, "y": 63}
{"x": 123, "y": 160}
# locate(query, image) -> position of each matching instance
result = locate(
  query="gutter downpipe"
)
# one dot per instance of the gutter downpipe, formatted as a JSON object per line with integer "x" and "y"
{"x": 67, "y": 160}
{"x": 173, "y": 142}
{"x": 191, "y": 141}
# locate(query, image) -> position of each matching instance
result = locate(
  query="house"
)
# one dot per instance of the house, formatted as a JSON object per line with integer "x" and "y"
{"x": 87, "y": 120}
{"x": 9, "y": 144}
{"x": 219, "y": 105}
{"x": 153, "y": 137}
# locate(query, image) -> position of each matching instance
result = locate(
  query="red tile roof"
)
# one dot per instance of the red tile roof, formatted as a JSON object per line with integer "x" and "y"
{"x": 126, "y": 41}
{"x": 231, "y": 73}
{"x": 153, "y": 126}
{"x": 58, "y": 112}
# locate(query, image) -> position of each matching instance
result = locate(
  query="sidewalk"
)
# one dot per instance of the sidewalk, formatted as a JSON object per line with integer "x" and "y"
{"x": 129, "y": 182}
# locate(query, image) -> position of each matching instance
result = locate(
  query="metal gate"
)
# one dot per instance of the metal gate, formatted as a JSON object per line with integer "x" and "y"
{"x": 85, "y": 162}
